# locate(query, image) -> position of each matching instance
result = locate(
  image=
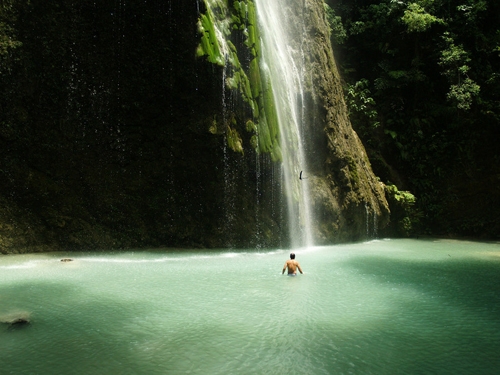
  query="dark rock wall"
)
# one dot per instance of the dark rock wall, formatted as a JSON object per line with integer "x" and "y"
{"x": 104, "y": 135}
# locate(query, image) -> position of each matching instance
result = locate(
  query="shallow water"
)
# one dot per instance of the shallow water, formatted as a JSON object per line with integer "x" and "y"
{"x": 382, "y": 307}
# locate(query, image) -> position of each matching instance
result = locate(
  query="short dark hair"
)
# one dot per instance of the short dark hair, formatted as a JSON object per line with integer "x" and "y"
{"x": 292, "y": 255}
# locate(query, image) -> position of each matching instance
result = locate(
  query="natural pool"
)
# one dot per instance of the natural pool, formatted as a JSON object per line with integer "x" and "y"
{"x": 381, "y": 307}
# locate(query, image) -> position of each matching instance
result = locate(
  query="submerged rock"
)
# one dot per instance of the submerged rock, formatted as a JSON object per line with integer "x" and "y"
{"x": 66, "y": 260}
{"x": 16, "y": 320}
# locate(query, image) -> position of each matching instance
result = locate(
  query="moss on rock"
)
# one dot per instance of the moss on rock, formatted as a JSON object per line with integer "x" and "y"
{"x": 251, "y": 83}
{"x": 209, "y": 45}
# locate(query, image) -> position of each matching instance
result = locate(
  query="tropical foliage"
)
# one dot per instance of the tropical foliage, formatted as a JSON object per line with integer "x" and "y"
{"x": 422, "y": 82}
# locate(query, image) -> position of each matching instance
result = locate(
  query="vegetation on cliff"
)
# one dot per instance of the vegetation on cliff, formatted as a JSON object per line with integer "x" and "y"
{"x": 422, "y": 80}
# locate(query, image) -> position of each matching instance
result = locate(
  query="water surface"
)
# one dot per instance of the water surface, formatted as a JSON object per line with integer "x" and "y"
{"x": 382, "y": 307}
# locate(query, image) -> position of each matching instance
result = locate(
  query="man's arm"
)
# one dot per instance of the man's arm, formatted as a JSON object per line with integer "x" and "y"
{"x": 284, "y": 268}
{"x": 298, "y": 266}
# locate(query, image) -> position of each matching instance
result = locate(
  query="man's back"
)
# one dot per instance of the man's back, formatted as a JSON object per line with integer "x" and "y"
{"x": 292, "y": 266}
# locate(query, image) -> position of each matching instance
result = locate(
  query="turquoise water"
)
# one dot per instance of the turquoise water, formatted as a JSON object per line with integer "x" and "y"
{"x": 382, "y": 307}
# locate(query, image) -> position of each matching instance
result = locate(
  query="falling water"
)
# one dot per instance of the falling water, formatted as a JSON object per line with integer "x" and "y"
{"x": 285, "y": 67}
{"x": 371, "y": 218}
{"x": 257, "y": 195}
{"x": 367, "y": 219}
{"x": 375, "y": 225}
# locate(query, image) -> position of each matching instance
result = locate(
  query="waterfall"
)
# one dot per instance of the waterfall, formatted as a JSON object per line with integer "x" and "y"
{"x": 270, "y": 81}
{"x": 285, "y": 67}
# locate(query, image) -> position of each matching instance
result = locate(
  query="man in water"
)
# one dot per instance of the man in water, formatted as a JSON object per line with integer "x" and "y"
{"x": 292, "y": 266}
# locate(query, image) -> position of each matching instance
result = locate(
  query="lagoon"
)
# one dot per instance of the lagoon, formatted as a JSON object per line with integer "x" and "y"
{"x": 393, "y": 306}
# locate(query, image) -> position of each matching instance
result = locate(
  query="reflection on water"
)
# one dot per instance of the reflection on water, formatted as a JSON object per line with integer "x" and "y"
{"x": 383, "y": 307}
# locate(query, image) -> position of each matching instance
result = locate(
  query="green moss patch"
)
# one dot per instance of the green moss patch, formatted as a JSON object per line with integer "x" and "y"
{"x": 238, "y": 22}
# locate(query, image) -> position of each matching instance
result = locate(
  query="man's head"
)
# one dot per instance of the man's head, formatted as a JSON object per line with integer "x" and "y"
{"x": 292, "y": 255}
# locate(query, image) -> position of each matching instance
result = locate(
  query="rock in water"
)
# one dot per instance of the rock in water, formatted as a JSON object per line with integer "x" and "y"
{"x": 16, "y": 320}
{"x": 19, "y": 322}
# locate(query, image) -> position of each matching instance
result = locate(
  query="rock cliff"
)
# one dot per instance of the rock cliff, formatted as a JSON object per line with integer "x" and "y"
{"x": 108, "y": 141}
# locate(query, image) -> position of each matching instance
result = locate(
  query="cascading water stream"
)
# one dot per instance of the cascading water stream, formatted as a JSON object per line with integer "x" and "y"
{"x": 285, "y": 68}
{"x": 276, "y": 94}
